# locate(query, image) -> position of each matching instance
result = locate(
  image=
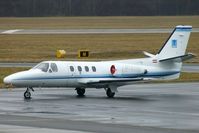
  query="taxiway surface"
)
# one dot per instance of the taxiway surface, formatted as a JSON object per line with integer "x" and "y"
{"x": 140, "y": 108}
{"x": 86, "y": 31}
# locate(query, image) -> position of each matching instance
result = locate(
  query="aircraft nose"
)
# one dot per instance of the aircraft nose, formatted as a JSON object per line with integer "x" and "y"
{"x": 7, "y": 80}
{"x": 12, "y": 80}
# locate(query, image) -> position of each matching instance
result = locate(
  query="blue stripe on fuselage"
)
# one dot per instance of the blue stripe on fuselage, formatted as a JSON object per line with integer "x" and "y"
{"x": 148, "y": 75}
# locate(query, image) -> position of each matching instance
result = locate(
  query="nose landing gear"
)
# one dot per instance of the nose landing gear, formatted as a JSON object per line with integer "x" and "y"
{"x": 27, "y": 94}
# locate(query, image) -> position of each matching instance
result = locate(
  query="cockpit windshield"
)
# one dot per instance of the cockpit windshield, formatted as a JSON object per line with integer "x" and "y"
{"x": 42, "y": 66}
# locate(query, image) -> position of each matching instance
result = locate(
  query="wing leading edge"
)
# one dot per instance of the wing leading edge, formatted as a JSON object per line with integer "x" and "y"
{"x": 109, "y": 81}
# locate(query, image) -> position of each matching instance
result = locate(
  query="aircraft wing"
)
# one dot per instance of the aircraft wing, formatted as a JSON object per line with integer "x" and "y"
{"x": 179, "y": 58}
{"x": 109, "y": 81}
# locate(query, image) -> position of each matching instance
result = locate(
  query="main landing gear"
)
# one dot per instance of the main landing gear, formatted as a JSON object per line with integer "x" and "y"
{"x": 80, "y": 91}
{"x": 27, "y": 94}
{"x": 109, "y": 93}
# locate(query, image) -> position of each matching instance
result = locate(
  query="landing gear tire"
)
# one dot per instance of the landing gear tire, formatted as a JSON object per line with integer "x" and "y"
{"x": 27, "y": 94}
{"x": 80, "y": 91}
{"x": 109, "y": 93}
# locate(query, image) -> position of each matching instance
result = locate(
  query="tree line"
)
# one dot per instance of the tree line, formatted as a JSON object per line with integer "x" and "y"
{"x": 29, "y": 8}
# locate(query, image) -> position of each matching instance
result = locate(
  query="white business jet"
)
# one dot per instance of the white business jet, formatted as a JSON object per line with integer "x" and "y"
{"x": 110, "y": 75}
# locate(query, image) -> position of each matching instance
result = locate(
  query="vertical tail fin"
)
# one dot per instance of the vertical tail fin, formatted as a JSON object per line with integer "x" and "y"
{"x": 176, "y": 44}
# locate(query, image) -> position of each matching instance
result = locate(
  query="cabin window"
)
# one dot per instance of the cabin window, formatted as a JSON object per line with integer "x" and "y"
{"x": 86, "y": 68}
{"x": 72, "y": 69}
{"x": 54, "y": 67}
{"x": 94, "y": 68}
{"x": 42, "y": 66}
{"x": 79, "y": 68}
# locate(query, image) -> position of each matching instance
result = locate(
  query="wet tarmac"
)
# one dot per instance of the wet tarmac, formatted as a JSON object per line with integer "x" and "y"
{"x": 140, "y": 108}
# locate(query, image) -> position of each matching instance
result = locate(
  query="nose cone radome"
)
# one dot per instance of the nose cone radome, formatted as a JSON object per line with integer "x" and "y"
{"x": 7, "y": 80}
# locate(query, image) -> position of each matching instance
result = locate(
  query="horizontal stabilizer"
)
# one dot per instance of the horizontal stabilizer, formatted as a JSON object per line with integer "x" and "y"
{"x": 179, "y": 58}
{"x": 148, "y": 54}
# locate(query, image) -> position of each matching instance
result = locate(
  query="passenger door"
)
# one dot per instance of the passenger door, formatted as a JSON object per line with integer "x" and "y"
{"x": 72, "y": 75}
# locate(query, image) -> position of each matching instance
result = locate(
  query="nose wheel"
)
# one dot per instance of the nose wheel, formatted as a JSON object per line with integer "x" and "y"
{"x": 27, "y": 94}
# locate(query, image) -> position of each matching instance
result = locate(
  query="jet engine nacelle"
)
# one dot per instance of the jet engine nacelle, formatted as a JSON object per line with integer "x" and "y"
{"x": 121, "y": 69}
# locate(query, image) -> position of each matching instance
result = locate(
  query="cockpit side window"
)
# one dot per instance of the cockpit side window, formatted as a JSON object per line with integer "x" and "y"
{"x": 54, "y": 67}
{"x": 42, "y": 66}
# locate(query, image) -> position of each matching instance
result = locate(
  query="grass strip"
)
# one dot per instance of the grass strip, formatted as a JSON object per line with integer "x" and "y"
{"x": 36, "y": 48}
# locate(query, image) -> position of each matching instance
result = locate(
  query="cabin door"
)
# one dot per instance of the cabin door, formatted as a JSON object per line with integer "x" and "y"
{"x": 72, "y": 75}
